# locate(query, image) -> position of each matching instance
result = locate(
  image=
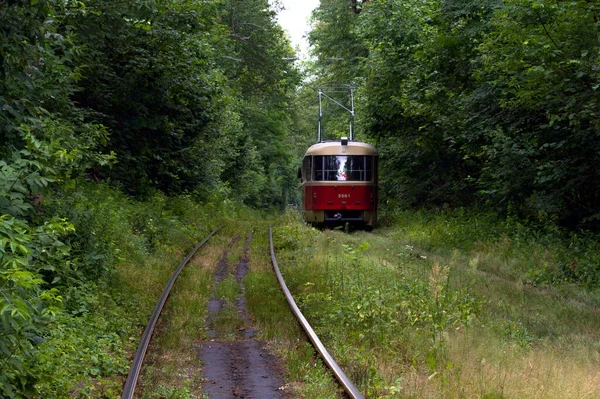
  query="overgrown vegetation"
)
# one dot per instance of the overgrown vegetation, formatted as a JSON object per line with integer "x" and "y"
{"x": 81, "y": 344}
{"x": 306, "y": 375}
{"x": 128, "y": 129}
{"x": 102, "y": 97}
{"x": 173, "y": 368}
{"x": 445, "y": 305}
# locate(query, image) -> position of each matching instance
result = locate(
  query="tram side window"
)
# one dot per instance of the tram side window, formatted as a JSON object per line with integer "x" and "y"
{"x": 306, "y": 166}
{"x": 343, "y": 168}
{"x": 318, "y": 168}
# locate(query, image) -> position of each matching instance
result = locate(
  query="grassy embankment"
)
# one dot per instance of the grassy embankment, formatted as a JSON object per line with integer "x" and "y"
{"x": 450, "y": 305}
{"x": 130, "y": 249}
{"x": 171, "y": 366}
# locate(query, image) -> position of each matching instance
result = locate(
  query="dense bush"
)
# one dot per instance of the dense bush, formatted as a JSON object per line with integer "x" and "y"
{"x": 66, "y": 317}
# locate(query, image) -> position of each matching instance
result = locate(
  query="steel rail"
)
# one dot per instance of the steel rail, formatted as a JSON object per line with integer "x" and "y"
{"x": 136, "y": 366}
{"x": 338, "y": 373}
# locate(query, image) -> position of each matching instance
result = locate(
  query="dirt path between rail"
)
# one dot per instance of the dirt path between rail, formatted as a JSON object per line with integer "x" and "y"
{"x": 242, "y": 367}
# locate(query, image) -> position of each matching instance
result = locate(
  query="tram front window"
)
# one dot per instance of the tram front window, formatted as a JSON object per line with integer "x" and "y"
{"x": 343, "y": 168}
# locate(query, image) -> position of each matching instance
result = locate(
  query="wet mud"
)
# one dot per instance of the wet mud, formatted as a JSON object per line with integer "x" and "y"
{"x": 239, "y": 368}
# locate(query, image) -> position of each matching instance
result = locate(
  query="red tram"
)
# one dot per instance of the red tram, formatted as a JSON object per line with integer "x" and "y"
{"x": 338, "y": 179}
{"x": 339, "y": 183}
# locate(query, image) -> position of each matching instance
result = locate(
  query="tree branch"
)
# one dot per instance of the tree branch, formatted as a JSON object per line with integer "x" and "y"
{"x": 239, "y": 37}
{"x": 355, "y": 8}
{"x": 545, "y": 30}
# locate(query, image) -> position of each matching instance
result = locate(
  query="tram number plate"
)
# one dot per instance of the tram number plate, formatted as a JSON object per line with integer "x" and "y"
{"x": 343, "y": 195}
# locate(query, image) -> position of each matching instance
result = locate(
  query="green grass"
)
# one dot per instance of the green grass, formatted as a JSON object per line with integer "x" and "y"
{"x": 306, "y": 376}
{"x": 448, "y": 305}
{"x": 130, "y": 250}
{"x": 227, "y": 289}
{"x": 171, "y": 365}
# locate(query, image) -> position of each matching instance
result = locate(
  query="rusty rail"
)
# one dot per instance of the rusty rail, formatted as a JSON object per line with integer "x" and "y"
{"x": 338, "y": 373}
{"x": 136, "y": 366}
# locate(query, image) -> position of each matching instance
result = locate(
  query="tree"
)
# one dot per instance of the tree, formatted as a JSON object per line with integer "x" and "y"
{"x": 541, "y": 62}
{"x": 43, "y": 142}
{"x": 259, "y": 65}
{"x": 149, "y": 75}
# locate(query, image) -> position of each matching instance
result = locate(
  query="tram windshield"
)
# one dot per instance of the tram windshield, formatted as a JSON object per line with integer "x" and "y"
{"x": 343, "y": 168}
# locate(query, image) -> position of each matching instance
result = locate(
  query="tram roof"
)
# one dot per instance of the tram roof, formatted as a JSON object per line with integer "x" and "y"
{"x": 336, "y": 148}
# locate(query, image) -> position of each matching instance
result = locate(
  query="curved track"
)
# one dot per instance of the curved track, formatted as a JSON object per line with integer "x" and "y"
{"x": 136, "y": 366}
{"x": 339, "y": 374}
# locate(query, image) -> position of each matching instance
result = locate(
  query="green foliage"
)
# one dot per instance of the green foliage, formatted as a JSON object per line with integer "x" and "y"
{"x": 258, "y": 64}
{"x": 56, "y": 298}
{"x": 189, "y": 93}
{"x": 338, "y": 46}
{"x": 82, "y": 355}
{"x": 476, "y": 100}
{"x": 44, "y": 142}
{"x": 27, "y": 175}
{"x": 22, "y": 52}
{"x": 545, "y": 71}
{"x": 362, "y": 308}
{"x": 168, "y": 392}
{"x": 515, "y": 331}
{"x": 111, "y": 227}
{"x": 442, "y": 303}
{"x": 26, "y": 302}
{"x": 103, "y": 221}
{"x": 574, "y": 254}
{"x": 149, "y": 76}
{"x": 379, "y": 312}
{"x": 195, "y": 94}
{"x": 138, "y": 93}
{"x": 99, "y": 316}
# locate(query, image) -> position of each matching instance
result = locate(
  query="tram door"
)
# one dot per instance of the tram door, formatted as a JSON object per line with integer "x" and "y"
{"x": 307, "y": 191}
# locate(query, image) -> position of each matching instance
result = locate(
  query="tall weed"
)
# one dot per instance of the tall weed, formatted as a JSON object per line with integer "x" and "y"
{"x": 364, "y": 308}
{"x": 85, "y": 351}
{"x": 449, "y": 304}
{"x": 568, "y": 257}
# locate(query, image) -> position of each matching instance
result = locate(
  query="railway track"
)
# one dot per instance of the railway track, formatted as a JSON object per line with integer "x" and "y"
{"x": 138, "y": 360}
{"x": 337, "y": 371}
{"x": 242, "y": 367}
